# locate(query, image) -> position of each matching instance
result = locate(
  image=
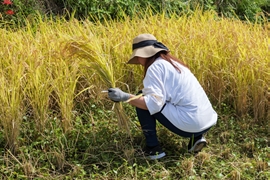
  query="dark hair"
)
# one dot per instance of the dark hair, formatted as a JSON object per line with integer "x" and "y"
{"x": 165, "y": 56}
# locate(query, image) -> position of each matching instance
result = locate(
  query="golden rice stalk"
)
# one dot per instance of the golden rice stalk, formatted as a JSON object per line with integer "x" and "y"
{"x": 38, "y": 89}
{"x": 11, "y": 101}
{"x": 65, "y": 85}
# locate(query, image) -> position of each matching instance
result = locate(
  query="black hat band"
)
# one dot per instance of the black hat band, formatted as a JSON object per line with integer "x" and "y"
{"x": 155, "y": 43}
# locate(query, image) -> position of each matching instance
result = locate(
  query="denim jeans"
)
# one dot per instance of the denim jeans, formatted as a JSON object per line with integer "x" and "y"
{"x": 148, "y": 125}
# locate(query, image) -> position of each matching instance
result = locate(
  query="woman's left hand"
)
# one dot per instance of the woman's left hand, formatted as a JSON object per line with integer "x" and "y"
{"x": 116, "y": 95}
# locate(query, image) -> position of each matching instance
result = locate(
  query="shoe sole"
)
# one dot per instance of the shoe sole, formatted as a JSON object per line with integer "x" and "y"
{"x": 198, "y": 147}
{"x": 158, "y": 156}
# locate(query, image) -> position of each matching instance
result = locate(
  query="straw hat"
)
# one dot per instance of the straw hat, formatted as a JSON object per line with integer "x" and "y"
{"x": 145, "y": 45}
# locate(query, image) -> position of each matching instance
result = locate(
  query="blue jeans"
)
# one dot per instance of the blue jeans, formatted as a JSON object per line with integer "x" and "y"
{"x": 148, "y": 125}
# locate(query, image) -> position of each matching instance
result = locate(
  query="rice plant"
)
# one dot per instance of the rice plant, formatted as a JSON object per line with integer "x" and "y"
{"x": 39, "y": 85}
{"x": 12, "y": 81}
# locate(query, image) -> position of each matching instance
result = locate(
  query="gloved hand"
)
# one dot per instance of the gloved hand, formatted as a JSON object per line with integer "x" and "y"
{"x": 116, "y": 95}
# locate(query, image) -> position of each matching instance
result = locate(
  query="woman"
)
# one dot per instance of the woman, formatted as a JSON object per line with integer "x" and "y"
{"x": 171, "y": 94}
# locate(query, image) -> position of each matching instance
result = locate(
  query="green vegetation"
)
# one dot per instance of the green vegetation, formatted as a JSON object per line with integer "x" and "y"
{"x": 56, "y": 123}
{"x": 97, "y": 149}
{"x": 246, "y": 10}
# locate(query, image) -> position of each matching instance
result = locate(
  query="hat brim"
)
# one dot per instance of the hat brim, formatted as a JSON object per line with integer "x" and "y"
{"x": 144, "y": 52}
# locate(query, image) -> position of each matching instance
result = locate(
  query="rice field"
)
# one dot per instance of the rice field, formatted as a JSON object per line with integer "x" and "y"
{"x": 52, "y": 72}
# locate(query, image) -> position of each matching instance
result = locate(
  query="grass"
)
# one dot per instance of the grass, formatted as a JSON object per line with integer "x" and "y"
{"x": 56, "y": 123}
{"x": 96, "y": 148}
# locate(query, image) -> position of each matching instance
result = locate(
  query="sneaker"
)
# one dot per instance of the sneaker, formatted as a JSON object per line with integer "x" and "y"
{"x": 154, "y": 152}
{"x": 200, "y": 142}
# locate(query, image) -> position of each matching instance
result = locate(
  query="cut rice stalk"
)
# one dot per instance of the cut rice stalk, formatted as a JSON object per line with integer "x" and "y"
{"x": 98, "y": 62}
{"x": 135, "y": 97}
